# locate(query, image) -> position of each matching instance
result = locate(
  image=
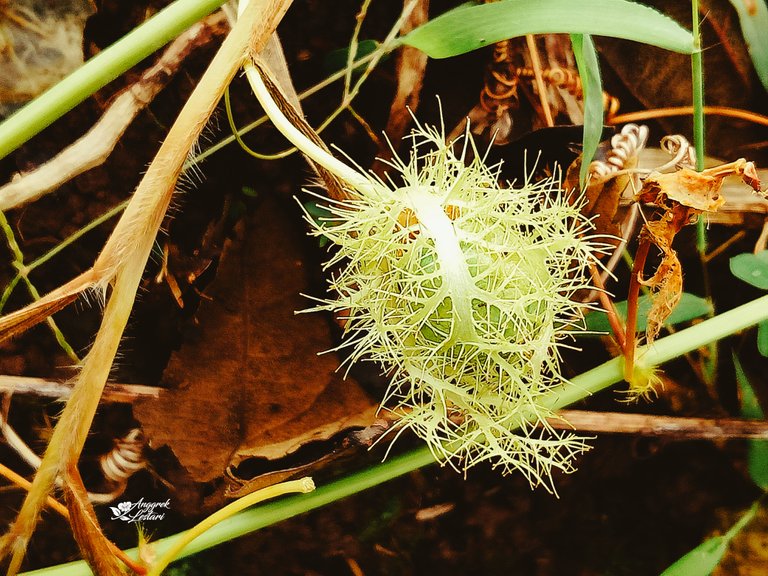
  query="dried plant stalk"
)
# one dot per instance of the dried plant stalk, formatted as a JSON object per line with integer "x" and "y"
{"x": 97, "y": 144}
{"x": 124, "y": 258}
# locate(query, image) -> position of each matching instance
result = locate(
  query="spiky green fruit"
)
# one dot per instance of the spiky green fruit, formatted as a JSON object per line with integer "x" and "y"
{"x": 462, "y": 290}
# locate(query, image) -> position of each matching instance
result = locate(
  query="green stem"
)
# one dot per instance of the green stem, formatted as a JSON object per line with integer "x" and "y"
{"x": 697, "y": 70}
{"x": 347, "y": 174}
{"x": 25, "y": 269}
{"x": 745, "y": 519}
{"x": 100, "y": 70}
{"x": 353, "y": 46}
{"x": 581, "y": 387}
{"x": 23, "y": 274}
{"x": 308, "y": 92}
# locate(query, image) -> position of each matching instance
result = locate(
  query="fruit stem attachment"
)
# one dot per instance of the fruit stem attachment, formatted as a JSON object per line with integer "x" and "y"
{"x": 253, "y": 72}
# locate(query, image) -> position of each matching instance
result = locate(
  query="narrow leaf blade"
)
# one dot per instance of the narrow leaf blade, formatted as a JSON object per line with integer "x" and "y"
{"x": 700, "y": 561}
{"x": 762, "y": 338}
{"x": 703, "y": 559}
{"x": 589, "y": 71}
{"x": 468, "y": 28}
{"x": 753, "y": 17}
{"x": 757, "y": 456}
{"x": 688, "y": 308}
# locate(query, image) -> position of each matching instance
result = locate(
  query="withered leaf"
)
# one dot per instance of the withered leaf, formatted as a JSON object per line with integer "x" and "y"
{"x": 667, "y": 282}
{"x": 248, "y": 381}
{"x": 604, "y": 191}
{"x": 693, "y": 189}
{"x": 682, "y": 195}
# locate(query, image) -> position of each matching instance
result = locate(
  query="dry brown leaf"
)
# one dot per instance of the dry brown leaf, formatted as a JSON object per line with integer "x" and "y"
{"x": 248, "y": 382}
{"x": 602, "y": 198}
{"x": 682, "y": 195}
{"x": 693, "y": 189}
{"x": 609, "y": 176}
{"x": 667, "y": 282}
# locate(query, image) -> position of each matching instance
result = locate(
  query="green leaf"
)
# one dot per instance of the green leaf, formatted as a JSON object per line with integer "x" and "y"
{"x": 318, "y": 213}
{"x": 589, "y": 70}
{"x": 337, "y": 59}
{"x": 688, "y": 308}
{"x": 703, "y": 559}
{"x": 753, "y": 27}
{"x": 750, "y": 407}
{"x": 468, "y": 28}
{"x": 751, "y": 268}
{"x": 762, "y": 338}
{"x": 757, "y": 456}
{"x": 700, "y": 561}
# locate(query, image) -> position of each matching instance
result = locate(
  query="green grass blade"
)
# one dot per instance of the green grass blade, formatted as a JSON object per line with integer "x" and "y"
{"x": 703, "y": 559}
{"x": 468, "y": 28}
{"x": 100, "y": 70}
{"x": 753, "y": 17}
{"x": 589, "y": 70}
{"x": 757, "y": 455}
{"x": 762, "y": 338}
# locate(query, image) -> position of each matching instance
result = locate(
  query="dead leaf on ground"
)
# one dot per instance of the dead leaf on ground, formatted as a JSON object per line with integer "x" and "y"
{"x": 248, "y": 381}
{"x": 608, "y": 179}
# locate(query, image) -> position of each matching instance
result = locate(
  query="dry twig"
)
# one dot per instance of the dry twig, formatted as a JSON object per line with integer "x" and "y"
{"x": 97, "y": 144}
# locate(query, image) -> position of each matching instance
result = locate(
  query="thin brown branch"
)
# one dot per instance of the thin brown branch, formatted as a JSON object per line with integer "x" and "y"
{"x": 632, "y": 305}
{"x": 25, "y": 484}
{"x": 540, "y": 86}
{"x": 102, "y": 554}
{"x": 613, "y": 317}
{"x": 677, "y": 427}
{"x": 57, "y": 390}
{"x": 688, "y": 111}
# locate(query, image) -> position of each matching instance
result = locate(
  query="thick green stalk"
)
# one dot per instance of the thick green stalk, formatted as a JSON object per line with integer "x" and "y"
{"x": 100, "y": 70}
{"x": 697, "y": 70}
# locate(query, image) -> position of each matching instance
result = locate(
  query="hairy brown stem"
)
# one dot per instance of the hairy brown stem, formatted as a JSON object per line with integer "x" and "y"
{"x": 102, "y": 554}
{"x": 124, "y": 258}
